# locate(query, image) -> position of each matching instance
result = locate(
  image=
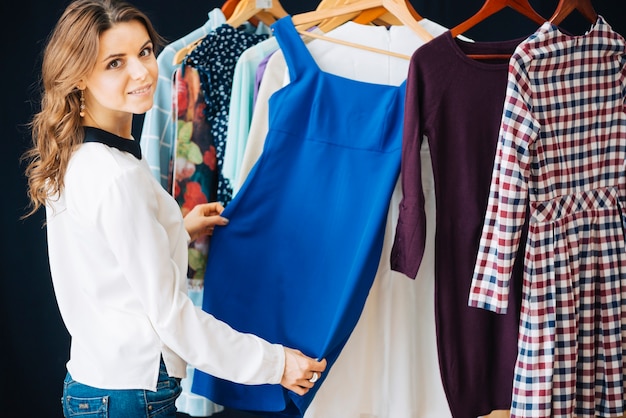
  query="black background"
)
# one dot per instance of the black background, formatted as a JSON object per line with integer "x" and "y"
{"x": 34, "y": 344}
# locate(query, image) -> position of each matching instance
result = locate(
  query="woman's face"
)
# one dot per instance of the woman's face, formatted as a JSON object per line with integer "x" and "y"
{"x": 124, "y": 78}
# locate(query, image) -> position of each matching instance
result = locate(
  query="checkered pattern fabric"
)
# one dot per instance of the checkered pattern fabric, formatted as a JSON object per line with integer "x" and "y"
{"x": 561, "y": 154}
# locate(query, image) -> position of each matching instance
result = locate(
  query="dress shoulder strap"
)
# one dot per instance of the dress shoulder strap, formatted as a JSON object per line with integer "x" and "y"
{"x": 297, "y": 56}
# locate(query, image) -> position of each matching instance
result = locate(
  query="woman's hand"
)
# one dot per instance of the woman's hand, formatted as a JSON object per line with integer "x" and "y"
{"x": 203, "y": 218}
{"x": 301, "y": 372}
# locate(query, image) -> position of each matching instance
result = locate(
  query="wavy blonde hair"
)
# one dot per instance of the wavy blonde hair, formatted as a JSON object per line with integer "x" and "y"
{"x": 69, "y": 56}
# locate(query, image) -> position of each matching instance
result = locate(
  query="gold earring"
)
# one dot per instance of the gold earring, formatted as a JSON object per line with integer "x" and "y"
{"x": 82, "y": 104}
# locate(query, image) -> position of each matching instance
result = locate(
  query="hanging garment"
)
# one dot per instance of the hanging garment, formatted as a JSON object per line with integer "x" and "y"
{"x": 349, "y": 62}
{"x": 561, "y": 151}
{"x": 195, "y": 169}
{"x": 201, "y": 100}
{"x": 394, "y": 337}
{"x": 298, "y": 258}
{"x": 215, "y": 59}
{"x": 241, "y": 107}
{"x": 270, "y": 82}
{"x": 456, "y": 102}
{"x": 158, "y": 134}
{"x": 395, "y": 334}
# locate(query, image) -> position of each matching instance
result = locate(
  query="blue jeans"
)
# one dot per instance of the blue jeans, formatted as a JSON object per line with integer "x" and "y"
{"x": 88, "y": 402}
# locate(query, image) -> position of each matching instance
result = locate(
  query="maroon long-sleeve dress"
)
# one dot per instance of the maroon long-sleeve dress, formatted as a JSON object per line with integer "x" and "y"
{"x": 456, "y": 102}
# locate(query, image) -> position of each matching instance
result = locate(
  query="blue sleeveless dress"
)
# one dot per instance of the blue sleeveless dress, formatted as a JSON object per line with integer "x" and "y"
{"x": 297, "y": 260}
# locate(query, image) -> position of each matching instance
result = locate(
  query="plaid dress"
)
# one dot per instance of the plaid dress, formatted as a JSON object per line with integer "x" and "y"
{"x": 561, "y": 155}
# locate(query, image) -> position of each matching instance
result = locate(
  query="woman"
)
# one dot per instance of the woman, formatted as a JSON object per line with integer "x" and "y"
{"x": 117, "y": 241}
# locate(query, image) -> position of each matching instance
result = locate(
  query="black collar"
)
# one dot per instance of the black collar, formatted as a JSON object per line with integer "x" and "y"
{"x": 107, "y": 138}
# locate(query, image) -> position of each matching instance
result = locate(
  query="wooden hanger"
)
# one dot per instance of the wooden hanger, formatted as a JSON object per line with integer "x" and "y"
{"x": 491, "y": 7}
{"x": 372, "y": 15}
{"x": 264, "y": 16}
{"x": 363, "y": 12}
{"x": 248, "y": 8}
{"x": 362, "y": 17}
{"x": 389, "y": 19}
{"x": 333, "y": 22}
{"x": 565, "y": 7}
{"x": 398, "y": 8}
{"x": 354, "y": 45}
{"x": 244, "y": 11}
{"x": 377, "y": 15}
{"x": 184, "y": 51}
{"x": 229, "y": 7}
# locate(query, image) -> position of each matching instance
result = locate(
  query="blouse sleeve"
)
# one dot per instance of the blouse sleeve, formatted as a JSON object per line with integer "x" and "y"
{"x": 129, "y": 217}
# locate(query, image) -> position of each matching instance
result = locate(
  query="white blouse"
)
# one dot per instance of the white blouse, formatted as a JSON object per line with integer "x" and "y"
{"x": 118, "y": 257}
